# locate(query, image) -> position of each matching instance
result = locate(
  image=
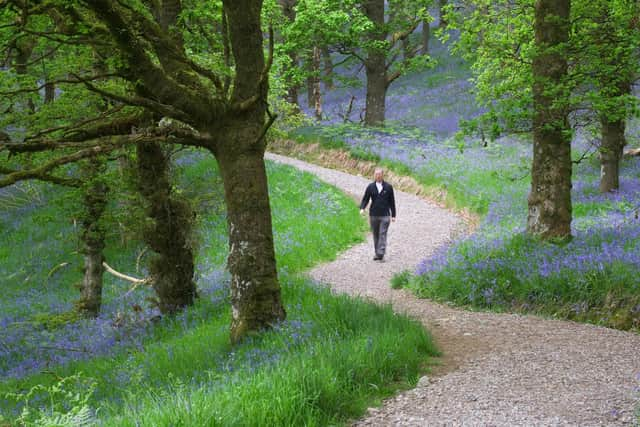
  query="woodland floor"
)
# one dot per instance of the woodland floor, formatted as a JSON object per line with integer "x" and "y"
{"x": 497, "y": 369}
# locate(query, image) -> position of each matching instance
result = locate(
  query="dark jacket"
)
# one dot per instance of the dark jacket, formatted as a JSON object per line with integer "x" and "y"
{"x": 382, "y": 203}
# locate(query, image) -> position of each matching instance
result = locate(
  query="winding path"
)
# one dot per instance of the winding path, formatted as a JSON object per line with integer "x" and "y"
{"x": 497, "y": 369}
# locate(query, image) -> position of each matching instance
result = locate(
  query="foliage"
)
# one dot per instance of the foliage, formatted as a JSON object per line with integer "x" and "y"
{"x": 497, "y": 39}
{"x": 400, "y": 280}
{"x": 64, "y": 403}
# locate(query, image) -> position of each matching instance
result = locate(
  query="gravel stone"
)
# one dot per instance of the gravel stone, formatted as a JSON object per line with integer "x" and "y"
{"x": 496, "y": 369}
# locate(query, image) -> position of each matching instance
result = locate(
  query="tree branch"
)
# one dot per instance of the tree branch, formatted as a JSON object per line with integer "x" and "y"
{"x": 39, "y": 172}
{"x": 248, "y": 103}
{"x": 73, "y": 126}
{"x": 67, "y": 182}
{"x": 137, "y": 101}
{"x": 57, "y": 82}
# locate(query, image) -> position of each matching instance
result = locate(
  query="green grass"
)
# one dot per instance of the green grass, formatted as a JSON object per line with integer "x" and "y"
{"x": 333, "y": 357}
{"x": 319, "y": 374}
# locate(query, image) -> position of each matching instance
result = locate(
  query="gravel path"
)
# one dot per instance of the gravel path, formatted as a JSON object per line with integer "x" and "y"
{"x": 497, "y": 369}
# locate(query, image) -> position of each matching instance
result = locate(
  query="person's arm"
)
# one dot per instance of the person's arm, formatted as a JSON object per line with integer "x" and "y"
{"x": 365, "y": 199}
{"x": 392, "y": 203}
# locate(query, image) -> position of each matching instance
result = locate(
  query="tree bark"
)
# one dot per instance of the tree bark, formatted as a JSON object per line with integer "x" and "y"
{"x": 328, "y": 68}
{"x": 426, "y": 37}
{"x": 288, "y": 10}
{"x": 49, "y": 93}
{"x": 312, "y": 76}
{"x": 550, "y": 197}
{"x": 168, "y": 231}
{"x": 92, "y": 240}
{"x": 317, "y": 90}
{"x": 443, "y": 21}
{"x": 255, "y": 291}
{"x": 611, "y": 147}
{"x": 375, "y": 66}
{"x": 24, "y": 48}
{"x": 292, "y": 96}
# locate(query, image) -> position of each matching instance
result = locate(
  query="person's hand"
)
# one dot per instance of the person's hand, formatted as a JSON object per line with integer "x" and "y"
{"x": 361, "y": 211}
{"x": 393, "y": 219}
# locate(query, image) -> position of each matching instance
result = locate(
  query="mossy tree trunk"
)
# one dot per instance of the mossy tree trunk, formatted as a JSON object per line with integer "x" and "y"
{"x": 92, "y": 239}
{"x": 255, "y": 291}
{"x": 550, "y": 197}
{"x": 167, "y": 231}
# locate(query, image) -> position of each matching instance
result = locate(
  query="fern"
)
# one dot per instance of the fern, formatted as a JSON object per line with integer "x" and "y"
{"x": 67, "y": 404}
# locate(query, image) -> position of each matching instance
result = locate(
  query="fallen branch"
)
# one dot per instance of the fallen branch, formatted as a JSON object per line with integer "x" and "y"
{"x": 122, "y": 276}
{"x": 56, "y": 268}
{"x": 632, "y": 152}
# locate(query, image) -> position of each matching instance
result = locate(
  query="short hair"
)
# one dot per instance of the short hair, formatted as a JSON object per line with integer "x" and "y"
{"x": 378, "y": 170}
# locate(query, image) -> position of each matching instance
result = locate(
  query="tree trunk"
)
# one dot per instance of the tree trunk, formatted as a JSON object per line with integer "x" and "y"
{"x": 550, "y": 197}
{"x": 328, "y": 68}
{"x": 375, "y": 66}
{"x": 93, "y": 240}
{"x": 288, "y": 10}
{"x": 255, "y": 291}
{"x": 443, "y": 21}
{"x": 313, "y": 78}
{"x": 292, "y": 87}
{"x": 613, "y": 142}
{"x": 168, "y": 231}
{"x": 426, "y": 37}
{"x": 317, "y": 92}
{"x": 24, "y": 48}
{"x": 49, "y": 92}
{"x": 226, "y": 50}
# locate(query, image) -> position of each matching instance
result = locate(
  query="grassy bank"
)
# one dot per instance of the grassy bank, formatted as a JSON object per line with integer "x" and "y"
{"x": 322, "y": 366}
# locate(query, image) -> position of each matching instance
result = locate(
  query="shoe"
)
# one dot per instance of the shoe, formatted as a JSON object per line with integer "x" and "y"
{"x": 377, "y": 258}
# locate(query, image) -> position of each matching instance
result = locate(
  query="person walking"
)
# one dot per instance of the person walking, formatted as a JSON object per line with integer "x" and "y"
{"x": 382, "y": 211}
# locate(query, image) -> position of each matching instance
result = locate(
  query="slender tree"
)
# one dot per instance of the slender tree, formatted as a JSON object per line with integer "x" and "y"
{"x": 289, "y": 12}
{"x": 92, "y": 237}
{"x": 380, "y": 46}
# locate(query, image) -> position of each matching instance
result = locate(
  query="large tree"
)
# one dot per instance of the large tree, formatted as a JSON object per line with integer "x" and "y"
{"x": 152, "y": 71}
{"x": 550, "y": 196}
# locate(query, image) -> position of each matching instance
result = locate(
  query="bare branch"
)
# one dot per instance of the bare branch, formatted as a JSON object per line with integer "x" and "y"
{"x": 399, "y": 36}
{"x": 122, "y": 276}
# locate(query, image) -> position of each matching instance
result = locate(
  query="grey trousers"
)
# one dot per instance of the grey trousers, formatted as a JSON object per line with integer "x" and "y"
{"x": 379, "y": 227}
